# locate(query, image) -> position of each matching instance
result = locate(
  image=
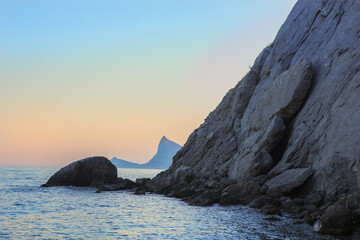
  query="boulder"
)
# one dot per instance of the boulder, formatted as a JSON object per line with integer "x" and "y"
{"x": 182, "y": 190}
{"x": 160, "y": 184}
{"x": 260, "y": 202}
{"x": 313, "y": 199}
{"x": 242, "y": 192}
{"x": 225, "y": 182}
{"x": 140, "y": 191}
{"x": 285, "y": 95}
{"x": 289, "y": 205}
{"x": 336, "y": 220}
{"x": 270, "y": 209}
{"x": 262, "y": 164}
{"x": 351, "y": 201}
{"x": 120, "y": 184}
{"x": 184, "y": 174}
{"x": 207, "y": 198}
{"x": 287, "y": 181}
{"x": 142, "y": 181}
{"x": 93, "y": 171}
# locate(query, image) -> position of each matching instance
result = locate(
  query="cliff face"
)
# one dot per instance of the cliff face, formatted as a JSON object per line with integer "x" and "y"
{"x": 296, "y": 111}
{"x": 299, "y": 103}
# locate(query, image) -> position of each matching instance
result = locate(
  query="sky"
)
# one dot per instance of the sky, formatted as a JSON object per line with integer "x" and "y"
{"x": 82, "y": 78}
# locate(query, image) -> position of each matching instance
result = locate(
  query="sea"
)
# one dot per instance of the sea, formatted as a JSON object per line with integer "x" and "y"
{"x": 28, "y": 211}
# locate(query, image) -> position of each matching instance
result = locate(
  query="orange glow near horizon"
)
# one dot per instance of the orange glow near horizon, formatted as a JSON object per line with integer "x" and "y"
{"x": 84, "y": 78}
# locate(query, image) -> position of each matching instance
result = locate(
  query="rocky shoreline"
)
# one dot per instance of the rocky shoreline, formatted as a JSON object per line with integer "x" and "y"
{"x": 286, "y": 138}
{"x": 341, "y": 217}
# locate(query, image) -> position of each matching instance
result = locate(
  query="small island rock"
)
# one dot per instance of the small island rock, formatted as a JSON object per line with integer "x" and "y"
{"x": 93, "y": 171}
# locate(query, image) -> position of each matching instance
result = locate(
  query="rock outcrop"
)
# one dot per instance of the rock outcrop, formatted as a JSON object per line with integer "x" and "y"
{"x": 287, "y": 181}
{"x": 289, "y": 127}
{"x": 93, "y": 171}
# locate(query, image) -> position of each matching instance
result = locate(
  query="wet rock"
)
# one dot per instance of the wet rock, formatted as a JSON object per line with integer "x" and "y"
{"x": 183, "y": 192}
{"x": 272, "y": 218}
{"x": 287, "y": 181}
{"x": 311, "y": 218}
{"x": 290, "y": 205}
{"x": 270, "y": 210}
{"x": 112, "y": 187}
{"x": 160, "y": 184}
{"x": 126, "y": 183}
{"x": 142, "y": 181}
{"x": 260, "y": 202}
{"x": 120, "y": 184}
{"x": 93, "y": 171}
{"x": 242, "y": 192}
{"x": 298, "y": 222}
{"x": 140, "y": 191}
{"x": 207, "y": 198}
{"x": 336, "y": 220}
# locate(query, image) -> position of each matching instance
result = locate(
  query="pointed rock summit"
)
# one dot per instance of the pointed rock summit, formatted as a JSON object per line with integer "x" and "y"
{"x": 161, "y": 160}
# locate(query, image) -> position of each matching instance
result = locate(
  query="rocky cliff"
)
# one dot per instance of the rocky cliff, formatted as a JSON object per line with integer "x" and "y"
{"x": 287, "y": 135}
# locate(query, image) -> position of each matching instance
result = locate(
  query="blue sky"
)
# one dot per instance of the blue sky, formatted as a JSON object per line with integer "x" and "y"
{"x": 81, "y": 78}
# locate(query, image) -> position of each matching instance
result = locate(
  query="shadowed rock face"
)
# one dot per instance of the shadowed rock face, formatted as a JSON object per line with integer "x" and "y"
{"x": 93, "y": 171}
{"x": 297, "y": 108}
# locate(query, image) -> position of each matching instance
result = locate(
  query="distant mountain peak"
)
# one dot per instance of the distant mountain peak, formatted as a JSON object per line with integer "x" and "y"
{"x": 164, "y": 140}
{"x": 161, "y": 160}
{"x": 166, "y": 143}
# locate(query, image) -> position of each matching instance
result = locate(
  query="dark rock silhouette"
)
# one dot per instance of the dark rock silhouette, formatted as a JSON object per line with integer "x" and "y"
{"x": 290, "y": 126}
{"x": 161, "y": 160}
{"x": 93, "y": 171}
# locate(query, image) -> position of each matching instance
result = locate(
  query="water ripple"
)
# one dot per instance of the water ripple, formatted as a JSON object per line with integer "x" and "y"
{"x": 30, "y": 212}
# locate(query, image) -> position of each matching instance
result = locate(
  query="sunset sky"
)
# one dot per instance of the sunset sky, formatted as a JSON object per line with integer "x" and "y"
{"x": 87, "y": 77}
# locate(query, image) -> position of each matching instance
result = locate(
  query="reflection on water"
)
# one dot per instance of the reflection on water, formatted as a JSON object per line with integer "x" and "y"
{"x": 27, "y": 211}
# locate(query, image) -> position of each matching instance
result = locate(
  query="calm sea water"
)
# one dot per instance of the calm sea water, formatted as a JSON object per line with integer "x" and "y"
{"x": 30, "y": 212}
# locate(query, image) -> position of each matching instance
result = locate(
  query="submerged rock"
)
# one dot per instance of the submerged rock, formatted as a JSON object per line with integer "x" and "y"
{"x": 93, "y": 171}
{"x": 242, "y": 192}
{"x": 120, "y": 184}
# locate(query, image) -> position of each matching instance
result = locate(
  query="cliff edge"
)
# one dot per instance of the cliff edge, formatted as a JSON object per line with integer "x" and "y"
{"x": 286, "y": 137}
